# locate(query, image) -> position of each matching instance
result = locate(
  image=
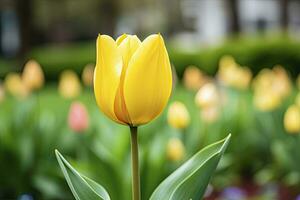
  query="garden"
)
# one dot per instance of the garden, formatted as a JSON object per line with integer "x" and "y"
{"x": 248, "y": 87}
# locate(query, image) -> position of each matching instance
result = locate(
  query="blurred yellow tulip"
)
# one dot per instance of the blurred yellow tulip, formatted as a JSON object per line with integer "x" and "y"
{"x": 194, "y": 78}
{"x": 207, "y": 96}
{"x": 69, "y": 84}
{"x": 292, "y": 119}
{"x": 2, "y": 92}
{"x": 263, "y": 80}
{"x": 175, "y": 149}
{"x": 33, "y": 75}
{"x": 266, "y": 100}
{"x": 271, "y": 86}
{"x": 282, "y": 82}
{"x": 297, "y": 100}
{"x": 87, "y": 75}
{"x": 233, "y": 75}
{"x": 14, "y": 85}
{"x": 178, "y": 115}
{"x": 133, "y": 79}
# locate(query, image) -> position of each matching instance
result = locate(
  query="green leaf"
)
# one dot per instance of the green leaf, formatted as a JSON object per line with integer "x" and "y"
{"x": 191, "y": 179}
{"x": 82, "y": 187}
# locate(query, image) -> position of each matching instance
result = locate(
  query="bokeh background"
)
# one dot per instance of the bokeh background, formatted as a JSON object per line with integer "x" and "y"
{"x": 235, "y": 66}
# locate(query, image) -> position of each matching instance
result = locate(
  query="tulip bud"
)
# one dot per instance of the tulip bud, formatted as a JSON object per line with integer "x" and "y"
{"x": 232, "y": 74}
{"x": 175, "y": 149}
{"x": 282, "y": 83}
{"x": 227, "y": 66}
{"x": 87, "y": 75}
{"x": 207, "y": 96}
{"x": 69, "y": 84}
{"x": 178, "y": 115}
{"x": 2, "y": 92}
{"x": 133, "y": 79}
{"x": 78, "y": 117}
{"x": 297, "y": 100}
{"x": 266, "y": 100}
{"x": 194, "y": 78}
{"x": 33, "y": 76}
{"x": 15, "y": 86}
{"x": 292, "y": 119}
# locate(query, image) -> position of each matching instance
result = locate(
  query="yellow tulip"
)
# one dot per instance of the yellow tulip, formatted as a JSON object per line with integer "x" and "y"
{"x": 69, "y": 84}
{"x": 194, "y": 78}
{"x": 14, "y": 85}
{"x": 297, "y": 100}
{"x": 175, "y": 149}
{"x": 232, "y": 74}
{"x": 266, "y": 100}
{"x": 133, "y": 79}
{"x": 274, "y": 81}
{"x": 282, "y": 83}
{"x": 207, "y": 96}
{"x": 33, "y": 76}
{"x": 292, "y": 119}
{"x": 2, "y": 92}
{"x": 178, "y": 115}
{"x": 87, "y": 75}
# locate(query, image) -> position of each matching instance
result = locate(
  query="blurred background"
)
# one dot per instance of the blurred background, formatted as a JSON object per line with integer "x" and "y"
{"x": 235, "y": 66}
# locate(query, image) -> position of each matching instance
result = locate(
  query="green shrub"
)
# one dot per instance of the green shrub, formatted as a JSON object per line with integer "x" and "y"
{"x": 257, "y": 53}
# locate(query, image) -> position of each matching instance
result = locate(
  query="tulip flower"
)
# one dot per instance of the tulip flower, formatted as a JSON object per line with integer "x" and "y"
{"x": 175, "y": 149}
{"x": 2, "y": 92}
{"x": 33, "y": 76}
{"x": 132, "y": 84}
{"x": 87, "y": 75}
{"x": 194, "y": 78}
{"x": 178, "y": 115}
{"x": 282, "y": 83}
{"x": 292, "y": 119}
{"x": 69, "y": 84}
{"x": 14, "y": 85}
{"x": 266, "y": 100}
{"x": 207, "y": 96}
{"x": 271, "y": 86}
{"x": 232, "y": 74}
{"x": 297, "y": 100}
{"x": 133, "y": 79}
{"x": 78, "y": 119}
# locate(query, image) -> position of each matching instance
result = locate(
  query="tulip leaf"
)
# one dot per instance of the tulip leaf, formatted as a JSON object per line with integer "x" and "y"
{"x": 82, "y": 187}
{"x": 191, "y": 179}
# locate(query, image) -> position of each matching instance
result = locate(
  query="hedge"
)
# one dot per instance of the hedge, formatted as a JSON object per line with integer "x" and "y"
{"x": 257, "y": 53}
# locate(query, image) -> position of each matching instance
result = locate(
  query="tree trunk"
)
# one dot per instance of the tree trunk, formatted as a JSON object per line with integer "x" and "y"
{"x": 234, "y": 16}
{"x": 284, "y": 19}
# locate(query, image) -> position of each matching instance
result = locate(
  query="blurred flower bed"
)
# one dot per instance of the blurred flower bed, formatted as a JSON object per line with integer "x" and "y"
{"x": 262, "y": 112}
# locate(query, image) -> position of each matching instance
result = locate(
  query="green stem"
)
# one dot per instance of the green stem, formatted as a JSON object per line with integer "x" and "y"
{"x": 135, "y": 164}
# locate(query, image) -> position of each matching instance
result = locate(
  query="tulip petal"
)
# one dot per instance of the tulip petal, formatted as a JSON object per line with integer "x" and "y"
{"x": 127, "y": 48}
{"x": 107, "y": 75}
{"x": 148, "y": 81}
{"x": 121, "y": 38}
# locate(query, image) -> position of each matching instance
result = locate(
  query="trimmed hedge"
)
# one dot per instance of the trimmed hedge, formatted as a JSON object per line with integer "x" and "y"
{"x": 257, "y": 53}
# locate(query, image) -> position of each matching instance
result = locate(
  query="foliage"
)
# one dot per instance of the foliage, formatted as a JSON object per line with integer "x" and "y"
{"x": 31, "y": 129}
{"x": 256, "y": 52}
{"x": 187, "y": 182}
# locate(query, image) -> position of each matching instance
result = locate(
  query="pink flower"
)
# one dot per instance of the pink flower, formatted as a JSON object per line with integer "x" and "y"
{"x": 78, "y": 117}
